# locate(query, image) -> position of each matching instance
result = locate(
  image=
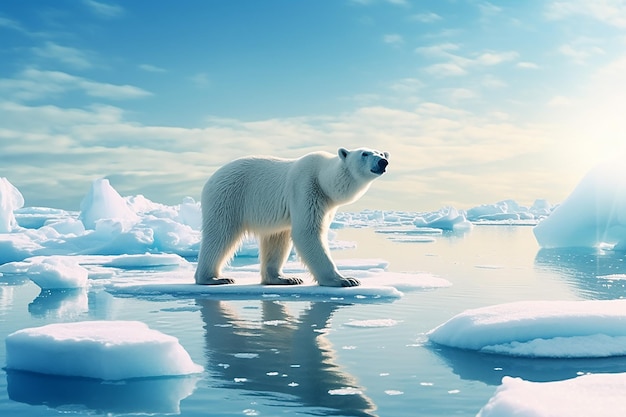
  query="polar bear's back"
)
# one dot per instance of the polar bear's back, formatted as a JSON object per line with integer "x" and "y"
{"x": 249, "y": 188}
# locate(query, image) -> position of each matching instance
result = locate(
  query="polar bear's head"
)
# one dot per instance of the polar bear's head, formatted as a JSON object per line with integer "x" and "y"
{"x": 365, "y": 162}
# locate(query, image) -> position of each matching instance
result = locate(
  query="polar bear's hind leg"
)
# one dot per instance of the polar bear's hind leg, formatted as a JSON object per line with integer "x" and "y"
{"x": 274, "y": 250}
{"x": 219, "y": 243}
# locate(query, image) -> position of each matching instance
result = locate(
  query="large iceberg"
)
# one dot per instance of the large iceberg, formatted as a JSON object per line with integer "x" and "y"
{"x": 593, "y": 215}
{"x": 10, "y": 200}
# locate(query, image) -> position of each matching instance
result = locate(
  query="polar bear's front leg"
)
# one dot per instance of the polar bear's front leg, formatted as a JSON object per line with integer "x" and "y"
{"x": 309, "y": 238}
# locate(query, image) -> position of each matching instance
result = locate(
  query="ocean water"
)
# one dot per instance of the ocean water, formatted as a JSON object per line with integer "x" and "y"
{"x": 274, "y": 357}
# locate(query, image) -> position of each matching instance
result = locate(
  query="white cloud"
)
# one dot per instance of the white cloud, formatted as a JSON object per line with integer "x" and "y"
{"x": 151, "y": 68}
{"x": 527, "y": 65}
{"x": 580, "y": 53}
{"x": 429, "y": 17}
{"x": 447, "y": 69}
{"x": 104, "y": 9}
{"x": 495, "y": 58}
{"x": 459, "y": 65}
{"x": 201, "y": 79}
{"x": 407, "y": 86}
{"x": 7, "y": 23}
{"x": 34, "y": 84}
{"x": 393, "y": 39}
{"x": 610, "y": 12}
{"x": 438, "y": 50}
{"x": 489, "y": 9}
{"x": 71, "y": 57}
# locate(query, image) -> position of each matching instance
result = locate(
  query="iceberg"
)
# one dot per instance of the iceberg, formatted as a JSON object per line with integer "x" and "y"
{"x": 593, "y": 215}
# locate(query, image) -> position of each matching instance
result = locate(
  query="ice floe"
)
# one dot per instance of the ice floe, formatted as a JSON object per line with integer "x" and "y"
{"x": 548, "y": 329}
{"x": 106, "y": 350}
{"x": 586, "y": 395}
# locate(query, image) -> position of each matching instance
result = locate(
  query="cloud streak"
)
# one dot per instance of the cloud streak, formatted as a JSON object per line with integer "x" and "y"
{"x": 71, "y": 57}
{"x": 104, "y": 10}
{"x": 35, "y": 84}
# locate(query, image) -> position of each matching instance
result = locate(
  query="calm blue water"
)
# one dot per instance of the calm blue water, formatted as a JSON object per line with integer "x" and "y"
{"x": 271, "y": 358}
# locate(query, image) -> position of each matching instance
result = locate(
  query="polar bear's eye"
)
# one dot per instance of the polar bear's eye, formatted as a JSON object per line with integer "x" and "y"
{"x": 365, "y": 154}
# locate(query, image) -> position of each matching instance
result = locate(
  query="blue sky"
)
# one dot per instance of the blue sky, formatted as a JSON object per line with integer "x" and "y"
{"x": 475, "y": 101}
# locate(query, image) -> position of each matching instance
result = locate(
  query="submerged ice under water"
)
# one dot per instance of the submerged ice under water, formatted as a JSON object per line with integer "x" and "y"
{"x": 461, "y": 297}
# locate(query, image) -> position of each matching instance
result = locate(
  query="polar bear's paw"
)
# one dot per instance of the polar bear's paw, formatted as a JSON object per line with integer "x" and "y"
{"x": 282, "y": 280}
{"x": 341, "y": 282}
{"x": 216, "y": 281}
{"x": 350, "y": 282}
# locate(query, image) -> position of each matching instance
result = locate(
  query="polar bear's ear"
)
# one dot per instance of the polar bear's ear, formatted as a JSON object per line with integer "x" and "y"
{"x": 386, "y": 155}
{"x": 343, "y": 153}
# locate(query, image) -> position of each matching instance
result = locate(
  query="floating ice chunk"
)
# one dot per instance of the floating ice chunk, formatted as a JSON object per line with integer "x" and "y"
{"x": 108, "y": 350}
{"x": 410, "y": 231}
{"x": 555, "y": 329}
{"x": 103, "y": 202}
{"x": 412, "y": 239}
{"x": 57, "y": 273}
{"x": 593, "y": 214}
{"x": 346, "y": 391}
{"x": 587, "y": 395}
{"x": 372, "y": 323}
{"x": 448, "y": 218}
{"x": 146, "y": 260}
{"x": 10, "y": 200}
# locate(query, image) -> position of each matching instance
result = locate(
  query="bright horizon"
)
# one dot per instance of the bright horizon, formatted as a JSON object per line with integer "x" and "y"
{"x": 475, "y": 101}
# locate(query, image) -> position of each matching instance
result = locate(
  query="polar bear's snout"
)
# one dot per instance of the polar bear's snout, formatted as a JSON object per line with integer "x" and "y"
{"x": 380, "y": 166}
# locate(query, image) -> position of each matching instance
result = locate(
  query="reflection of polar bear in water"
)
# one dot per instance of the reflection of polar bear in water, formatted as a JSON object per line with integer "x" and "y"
{"x": 294, "y": 347}
{"x": 278, "y": 199}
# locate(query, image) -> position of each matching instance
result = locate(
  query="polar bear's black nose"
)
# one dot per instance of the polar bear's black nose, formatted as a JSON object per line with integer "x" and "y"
{"x": 382, "y": 164}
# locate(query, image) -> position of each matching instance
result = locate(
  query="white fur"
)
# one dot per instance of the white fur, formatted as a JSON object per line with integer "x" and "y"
{"x": 282, "y": 200}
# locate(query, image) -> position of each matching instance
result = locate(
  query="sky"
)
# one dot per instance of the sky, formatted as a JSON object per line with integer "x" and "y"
{"x": 475, "y": 101}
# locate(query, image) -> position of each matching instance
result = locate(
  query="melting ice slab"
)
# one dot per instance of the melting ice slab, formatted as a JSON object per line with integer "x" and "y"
{"x": 588, "y": 395}
{"x": 108, "y": 350}
{"x": 553, "y": 329}
{"x": 376, "y": 283}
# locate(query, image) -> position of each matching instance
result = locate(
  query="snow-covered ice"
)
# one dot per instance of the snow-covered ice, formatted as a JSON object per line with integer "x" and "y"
{"x": 107, "y": 350}
{"x": 373, "y": 323}
{"x": 448, "y": 218}
{"x": 103, "y": 202}
{"x": 56, "y": 272}
{"x": 548, "y": 329}
{"x": 377, "y": 284}
{"x": 586, "y": 395}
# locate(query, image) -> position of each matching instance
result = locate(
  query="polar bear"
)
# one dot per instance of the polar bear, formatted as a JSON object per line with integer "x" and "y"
{"x": 280, "y": 201}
